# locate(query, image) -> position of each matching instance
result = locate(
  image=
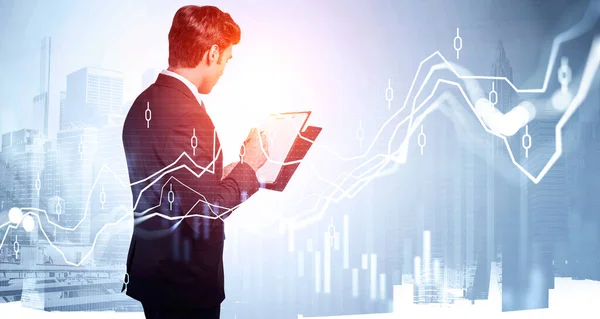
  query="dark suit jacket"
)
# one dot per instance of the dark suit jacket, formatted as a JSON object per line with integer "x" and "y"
{"x": 176, "y": 262}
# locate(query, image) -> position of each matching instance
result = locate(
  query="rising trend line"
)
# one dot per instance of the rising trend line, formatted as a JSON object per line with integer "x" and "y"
{"x": 400, "y": 155}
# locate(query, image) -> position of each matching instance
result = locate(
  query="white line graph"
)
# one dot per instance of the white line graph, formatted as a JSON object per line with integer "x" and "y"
{"x": 400, "y": 155}
{"x": 396, "y": 157}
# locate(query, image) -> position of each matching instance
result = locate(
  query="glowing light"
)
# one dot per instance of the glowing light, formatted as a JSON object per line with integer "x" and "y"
{"x": 28, "y": 223}
{"x": 15, "y": 215}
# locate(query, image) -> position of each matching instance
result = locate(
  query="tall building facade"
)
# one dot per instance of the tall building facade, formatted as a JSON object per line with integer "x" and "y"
{"x": 41, "y": 102}
{"x": 579, "y": 258}
{"x": 504, "y": 192}
{"x": 24, "y": 155}
{"x": 509, "y": 213}
{"x": 111, "y": 198}
{"x": 51, "y": 176}
{"x": 50, "y": 199}
{"x": 479, "y": 215}
{"x": 6, "y": 192}
{"x": 548, "y": 207}
{"x": 93, "y": 95}
{"x": 77, "y": 147}
{"x": 445, "y": 203}
{"x": 62, "y": 108}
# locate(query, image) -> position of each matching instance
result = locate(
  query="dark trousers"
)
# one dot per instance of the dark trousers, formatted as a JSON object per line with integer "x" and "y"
{"x": 164, "y": 313}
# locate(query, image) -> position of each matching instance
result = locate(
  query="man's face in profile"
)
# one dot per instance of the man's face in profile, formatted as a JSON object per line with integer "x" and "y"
{"x": 215, "y": 70}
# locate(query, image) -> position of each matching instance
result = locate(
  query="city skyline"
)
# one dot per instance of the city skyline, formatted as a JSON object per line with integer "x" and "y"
{"x": 427, "y": 265}
{"x": 452, "y": 226}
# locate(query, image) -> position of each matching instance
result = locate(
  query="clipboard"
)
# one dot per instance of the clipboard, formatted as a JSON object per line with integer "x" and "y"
{"x": 300, "y": 147}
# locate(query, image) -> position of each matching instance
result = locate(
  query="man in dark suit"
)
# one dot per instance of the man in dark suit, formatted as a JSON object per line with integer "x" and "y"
{"x": 181, "y": 191}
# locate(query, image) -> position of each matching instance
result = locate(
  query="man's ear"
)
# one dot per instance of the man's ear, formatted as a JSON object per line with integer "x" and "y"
{"x": 213, "y": 54}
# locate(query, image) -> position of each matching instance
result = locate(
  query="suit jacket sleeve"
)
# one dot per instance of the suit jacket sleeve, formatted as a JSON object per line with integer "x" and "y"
{"x": 199, "y": 189}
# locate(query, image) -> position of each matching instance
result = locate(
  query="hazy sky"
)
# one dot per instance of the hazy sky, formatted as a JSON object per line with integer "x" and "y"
{"x": 334, "y": 56}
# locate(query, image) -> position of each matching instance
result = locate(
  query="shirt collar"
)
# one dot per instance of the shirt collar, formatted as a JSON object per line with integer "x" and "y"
{"x": 187, "y": 83}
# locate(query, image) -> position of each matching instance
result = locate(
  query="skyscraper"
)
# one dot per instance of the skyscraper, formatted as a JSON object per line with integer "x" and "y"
{"x": 487, "y": 191}
{"x": 24, "y": 153}
{"x": 480, "y": 214}
{"x": 77, "y": 148}
{"x": 578, "y": 257}
{"x": 548, "y": 206}
{"x": 63, "y": 102}
{"x": 50, "y": 199}
{"x": 51, "y": 175}
{"x": 111, "y": 198}
{"x": 507, "y": 213}
{"x": 501, "y": 187}
{"x": 41, "y": 102}
{"x": 502, "y": 68}
{"x": 93, "y": 94}
{"x": 6, "y": 197}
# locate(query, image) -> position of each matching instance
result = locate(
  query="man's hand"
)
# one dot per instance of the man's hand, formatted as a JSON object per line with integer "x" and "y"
{"x": 251, "y": 151}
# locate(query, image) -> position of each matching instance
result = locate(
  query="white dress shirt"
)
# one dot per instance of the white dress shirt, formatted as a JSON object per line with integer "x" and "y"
{"x": 187, "y": 83}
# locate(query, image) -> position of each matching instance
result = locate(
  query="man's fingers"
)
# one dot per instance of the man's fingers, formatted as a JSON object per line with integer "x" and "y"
{"x": 251, "y": 134}
{"x": 262, "y": 143}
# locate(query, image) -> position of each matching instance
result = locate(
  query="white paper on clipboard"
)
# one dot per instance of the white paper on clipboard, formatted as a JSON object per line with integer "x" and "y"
{"x": 281, "y": 131}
